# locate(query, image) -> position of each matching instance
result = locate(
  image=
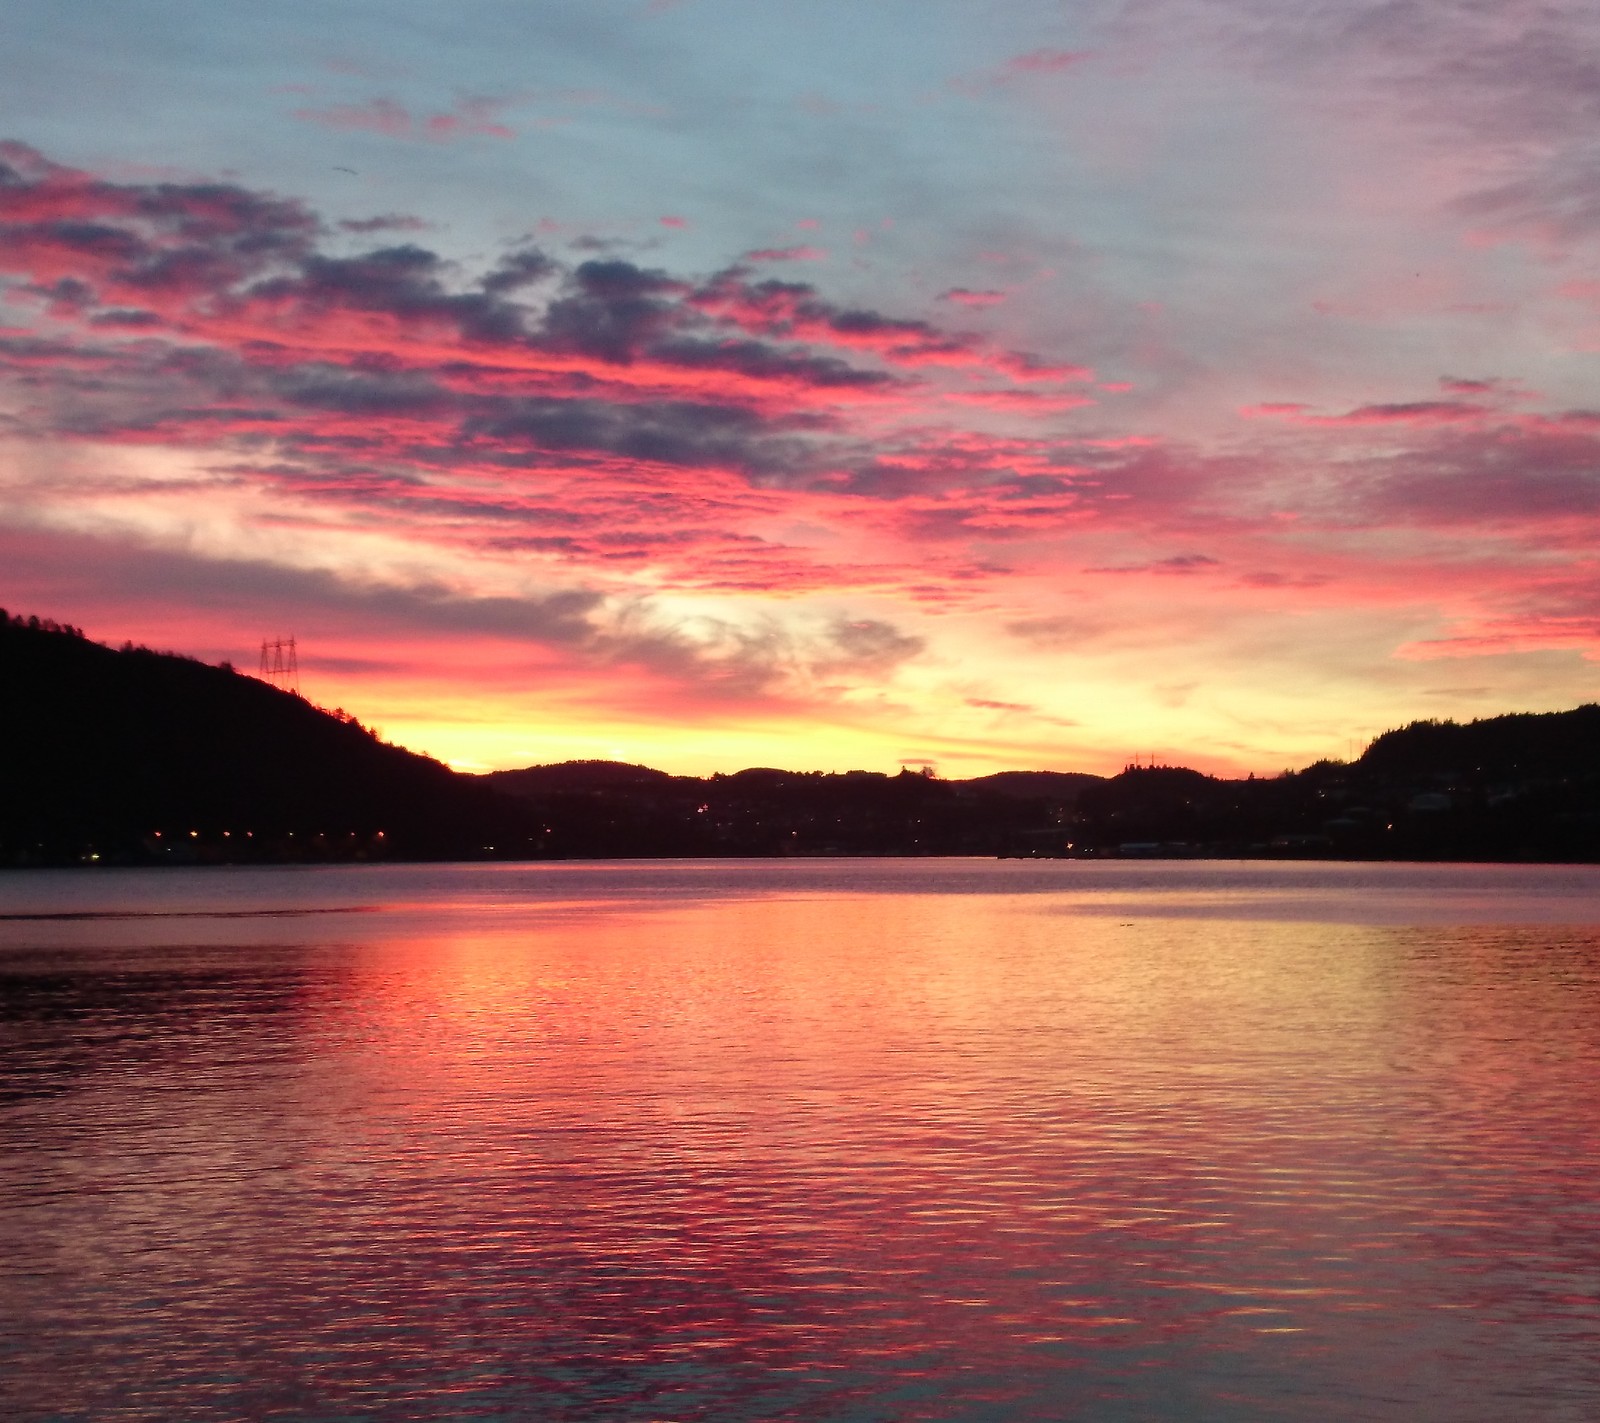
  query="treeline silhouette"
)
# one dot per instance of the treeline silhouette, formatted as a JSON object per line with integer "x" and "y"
{"x": 136, "y": 757}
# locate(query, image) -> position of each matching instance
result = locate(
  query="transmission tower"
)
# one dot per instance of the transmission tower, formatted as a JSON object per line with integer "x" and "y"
{"x": 279, "y": 665}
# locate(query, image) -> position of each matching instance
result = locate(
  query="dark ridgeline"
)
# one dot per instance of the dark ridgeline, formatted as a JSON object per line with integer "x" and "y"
{"x": 123, "y": 753}
{"x": 599, "y": 808}
{"x": 135, "y": 756}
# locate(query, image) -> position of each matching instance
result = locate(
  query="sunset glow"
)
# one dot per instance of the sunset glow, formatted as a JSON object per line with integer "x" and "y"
{"x": 825, "y": 386}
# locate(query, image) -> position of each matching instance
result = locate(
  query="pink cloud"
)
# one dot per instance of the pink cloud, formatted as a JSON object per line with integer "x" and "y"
{"x": 1034, "y": 401}
{"x": 677, "y": 222}
{"x": 1507, "y": 636}
{"x": 1034, "y": 64}
{"x": 1409, "y": 412}
{"x": 787, "y": 254}
{"x": 378, "y": 116}
{"x": 1045, "y": 61}
{"x": 964, "y": 296}
{"x": 469, "y": 118}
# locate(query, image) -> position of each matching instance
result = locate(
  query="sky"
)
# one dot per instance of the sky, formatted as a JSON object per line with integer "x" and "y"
{"x": 830, "y": 385}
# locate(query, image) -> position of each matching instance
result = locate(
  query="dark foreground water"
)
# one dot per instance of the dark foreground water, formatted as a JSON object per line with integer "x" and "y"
{"x": 820, "y": 1140}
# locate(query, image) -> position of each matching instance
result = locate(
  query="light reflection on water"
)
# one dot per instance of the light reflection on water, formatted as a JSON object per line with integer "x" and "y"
{"x": 861, "y": 1141}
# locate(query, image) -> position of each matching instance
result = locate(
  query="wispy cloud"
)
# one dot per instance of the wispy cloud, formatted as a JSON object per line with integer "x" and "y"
{"x": 467, "y": 118}
{"x": 966, "y": 296}
{"x": 1035, "y": 64}
{"x": 802, "y": 253}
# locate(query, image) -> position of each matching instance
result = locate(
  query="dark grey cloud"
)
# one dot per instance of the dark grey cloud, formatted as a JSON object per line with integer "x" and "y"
{"x": 663, "y": 432}
{"x": 357, "y": 392}
{"x": 1540, "y": 472}
{"x": 796, "y": 310}
{"x": 1181, "y": 564}
{"x": 868, "y": 645}
{"x": 520, "y": 269}
{"x": 764, "y": 361}
{"x": 385, "y": 222}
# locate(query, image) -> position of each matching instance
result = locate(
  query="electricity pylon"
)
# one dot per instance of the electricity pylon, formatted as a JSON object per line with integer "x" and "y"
{"x": 279, "y": 665}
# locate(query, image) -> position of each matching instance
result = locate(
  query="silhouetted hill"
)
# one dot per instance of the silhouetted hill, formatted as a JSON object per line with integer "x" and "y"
{"x": 1061, "y": 786}
{"x": 140, "y": 756}
{"x": 125, "y": 753}
{"x": 1509, "y": 748}
{"x": 577, "y": 776}
{"x": 1516, "y": 787}
{"x": 604, "y": 808}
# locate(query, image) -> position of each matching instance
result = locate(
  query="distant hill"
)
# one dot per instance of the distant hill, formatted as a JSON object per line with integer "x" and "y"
{"x": 577, "y": 776}
{"x": 1061, "y": 786}
{"x": 598, "y": 808}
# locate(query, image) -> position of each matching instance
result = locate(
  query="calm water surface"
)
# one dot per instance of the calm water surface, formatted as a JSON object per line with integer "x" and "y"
{"x": 868, "y": 1140}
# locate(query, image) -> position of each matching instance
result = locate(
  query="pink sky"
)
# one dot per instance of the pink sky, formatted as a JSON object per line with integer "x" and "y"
{"x": 1179, "y": 384}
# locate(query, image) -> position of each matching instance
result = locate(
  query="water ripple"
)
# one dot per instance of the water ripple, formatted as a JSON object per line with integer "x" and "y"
{"x": 875, "y": 1153}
